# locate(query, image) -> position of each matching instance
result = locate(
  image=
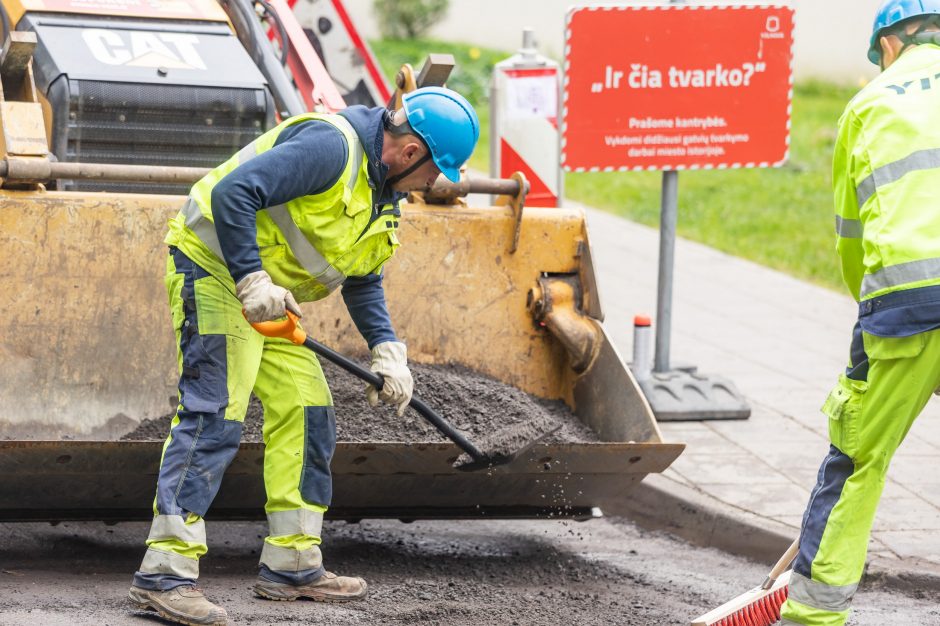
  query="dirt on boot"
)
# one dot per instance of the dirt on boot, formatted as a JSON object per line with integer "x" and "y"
{"x": 327, "y": 588}
{"x": 185, "y": 604}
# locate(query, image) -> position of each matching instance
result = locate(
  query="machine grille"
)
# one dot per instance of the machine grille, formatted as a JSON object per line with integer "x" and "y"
{"x": 147, "y": 124}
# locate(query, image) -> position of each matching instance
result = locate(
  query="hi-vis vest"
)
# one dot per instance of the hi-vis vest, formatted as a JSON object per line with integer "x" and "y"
{"x": 886, "y": 178}
{"x": 308, "y": 245}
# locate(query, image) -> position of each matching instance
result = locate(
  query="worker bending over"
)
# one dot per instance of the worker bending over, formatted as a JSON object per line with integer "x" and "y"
{"x": 309, "y": 206}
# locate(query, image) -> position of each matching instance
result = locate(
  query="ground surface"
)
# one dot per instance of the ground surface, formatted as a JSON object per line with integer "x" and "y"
{"x": 461, "y": 574}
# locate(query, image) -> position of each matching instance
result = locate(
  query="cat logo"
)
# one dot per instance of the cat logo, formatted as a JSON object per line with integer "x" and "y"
{"x": 144, "y": 49}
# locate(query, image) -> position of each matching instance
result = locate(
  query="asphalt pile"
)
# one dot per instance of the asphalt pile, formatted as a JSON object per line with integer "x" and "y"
{"x": 476, "y": 404}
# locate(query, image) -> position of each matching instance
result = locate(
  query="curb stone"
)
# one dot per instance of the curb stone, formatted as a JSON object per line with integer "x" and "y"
{"x": 663, "y": 503}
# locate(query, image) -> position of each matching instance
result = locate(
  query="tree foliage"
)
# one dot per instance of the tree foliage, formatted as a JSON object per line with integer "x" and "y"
{"x": 408, "y": 19}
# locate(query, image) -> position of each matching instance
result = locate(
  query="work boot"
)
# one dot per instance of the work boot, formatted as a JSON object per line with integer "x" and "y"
{"x": 185, "y": 605}
{"x": 327, "y": 588}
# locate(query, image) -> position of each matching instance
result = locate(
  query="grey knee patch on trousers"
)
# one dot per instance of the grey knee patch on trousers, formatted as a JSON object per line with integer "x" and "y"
{"x": 200, "y": 450}
{"x": 316, "y": 482}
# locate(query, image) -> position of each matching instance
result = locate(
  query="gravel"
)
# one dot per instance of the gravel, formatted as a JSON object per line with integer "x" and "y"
{"x": 476, "y": 404}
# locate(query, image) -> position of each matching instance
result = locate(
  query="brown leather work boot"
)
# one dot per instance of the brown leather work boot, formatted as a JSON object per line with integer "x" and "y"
{"x": 184, "y": 605}
{"x": 326, "y": 588}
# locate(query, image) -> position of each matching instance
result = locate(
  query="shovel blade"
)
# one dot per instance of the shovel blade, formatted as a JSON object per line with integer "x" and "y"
{"x": 504, "y": 445}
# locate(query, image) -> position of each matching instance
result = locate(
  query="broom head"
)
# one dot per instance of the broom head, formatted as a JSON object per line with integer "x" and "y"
{"x": 757, "y": 607}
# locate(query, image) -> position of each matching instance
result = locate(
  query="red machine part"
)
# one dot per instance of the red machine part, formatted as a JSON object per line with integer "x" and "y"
{"x": 378, "y": 81}
{"x": 316, "y": 86}
{"x": 363, "y": 49}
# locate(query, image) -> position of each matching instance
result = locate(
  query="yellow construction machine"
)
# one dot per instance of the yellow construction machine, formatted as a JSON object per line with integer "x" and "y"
{"x": 109, "y": 110}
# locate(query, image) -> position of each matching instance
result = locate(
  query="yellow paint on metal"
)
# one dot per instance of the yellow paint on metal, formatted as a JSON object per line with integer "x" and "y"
{"x": 456, "y": 294}
{"x": 85, "y": 339}
{"x": 85, "y": 342}
{"x": 16, "y": 8}
{"x": 23, "y": 129}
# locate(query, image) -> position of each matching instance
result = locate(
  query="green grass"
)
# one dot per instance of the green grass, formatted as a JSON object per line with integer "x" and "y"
{"x": 782, "y": 217}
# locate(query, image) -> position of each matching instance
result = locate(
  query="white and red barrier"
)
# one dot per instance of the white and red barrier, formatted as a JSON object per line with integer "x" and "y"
{"x": 524, "y": 101}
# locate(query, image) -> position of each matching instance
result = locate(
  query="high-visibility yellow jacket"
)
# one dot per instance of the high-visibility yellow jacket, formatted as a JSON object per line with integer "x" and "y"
{"x": 886, "y": 178}
{"x": 310, "y": 244}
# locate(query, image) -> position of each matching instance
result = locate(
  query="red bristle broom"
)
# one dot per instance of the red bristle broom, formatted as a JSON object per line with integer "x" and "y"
{"x": 761, "y": 605}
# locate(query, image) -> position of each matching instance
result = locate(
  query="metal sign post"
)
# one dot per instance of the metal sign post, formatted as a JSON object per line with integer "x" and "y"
{"x": 668, "y": 220}
{"x": 706, "y": 87}
{"x": 669, "y": 217}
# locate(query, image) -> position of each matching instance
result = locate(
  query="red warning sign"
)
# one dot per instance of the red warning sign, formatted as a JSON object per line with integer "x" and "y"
{"x": 672, "y": 87}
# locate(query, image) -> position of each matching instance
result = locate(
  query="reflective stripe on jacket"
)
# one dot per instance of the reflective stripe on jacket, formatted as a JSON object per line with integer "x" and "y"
{"x": 886, "y": 170}
{"x": 309, "y": 244}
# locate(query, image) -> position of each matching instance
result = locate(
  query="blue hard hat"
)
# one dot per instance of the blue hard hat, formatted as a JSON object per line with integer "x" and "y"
{"x": 893, "y": 12}
{"x": 448, "y": 125}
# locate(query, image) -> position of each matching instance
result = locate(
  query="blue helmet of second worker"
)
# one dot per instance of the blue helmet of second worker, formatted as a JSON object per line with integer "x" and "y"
{"x": 890, "y": 17}
{"x": 447, "y": 123}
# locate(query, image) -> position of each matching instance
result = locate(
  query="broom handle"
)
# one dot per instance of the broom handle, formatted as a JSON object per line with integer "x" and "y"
{"x": 782, "y": 564}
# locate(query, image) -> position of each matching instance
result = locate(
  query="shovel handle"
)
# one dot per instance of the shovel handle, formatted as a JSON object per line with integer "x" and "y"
{"x": 443, "y": 426}
{"x": 289, "y": 329}
{"x": 282, "y": 329}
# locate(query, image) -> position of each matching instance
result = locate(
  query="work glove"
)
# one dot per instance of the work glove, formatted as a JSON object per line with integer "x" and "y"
{"x": 262, "y": 300}
{"x": 390, "y": 359}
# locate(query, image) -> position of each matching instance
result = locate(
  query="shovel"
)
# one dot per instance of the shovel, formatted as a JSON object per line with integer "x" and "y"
{"x": 500, "y": 448}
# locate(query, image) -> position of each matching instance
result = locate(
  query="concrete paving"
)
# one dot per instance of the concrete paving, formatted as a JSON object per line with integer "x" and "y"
{"x": 743, "y": 485}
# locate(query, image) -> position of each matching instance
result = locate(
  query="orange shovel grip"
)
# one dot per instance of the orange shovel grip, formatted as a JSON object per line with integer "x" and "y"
{"x": 282, "y": 329}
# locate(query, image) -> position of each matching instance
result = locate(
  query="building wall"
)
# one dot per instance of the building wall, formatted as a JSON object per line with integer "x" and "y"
{"x": 831, "y": 35}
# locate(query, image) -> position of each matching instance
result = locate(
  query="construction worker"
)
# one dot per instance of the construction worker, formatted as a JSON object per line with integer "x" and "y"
{"x": 309, "y": 206}
{"x": 886, "y": 171}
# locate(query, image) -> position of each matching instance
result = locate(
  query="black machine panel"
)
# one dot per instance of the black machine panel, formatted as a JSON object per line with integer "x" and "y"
{"x": 146, "y": 93}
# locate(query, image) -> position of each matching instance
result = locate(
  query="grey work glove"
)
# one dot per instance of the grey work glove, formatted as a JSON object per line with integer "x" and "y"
{"x": 390, "y": 359}
{"x": 263, "y": 300}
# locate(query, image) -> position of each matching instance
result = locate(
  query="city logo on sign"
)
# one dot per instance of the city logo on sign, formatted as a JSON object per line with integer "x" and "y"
{"x": 144, "y": 49}
{"x": 772, "y": 28}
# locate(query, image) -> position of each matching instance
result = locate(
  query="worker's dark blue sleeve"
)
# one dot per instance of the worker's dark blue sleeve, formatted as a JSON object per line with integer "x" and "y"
{"x": 308, "y": 158}
{"x": 365, "y": 299}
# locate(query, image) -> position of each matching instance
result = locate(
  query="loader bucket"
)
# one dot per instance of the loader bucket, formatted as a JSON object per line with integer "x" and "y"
{"x": 87, "y": 351}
